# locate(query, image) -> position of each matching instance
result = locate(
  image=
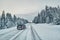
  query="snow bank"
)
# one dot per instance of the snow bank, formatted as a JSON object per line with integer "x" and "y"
{"x": 3, "y": 31}
{"x": 48, "y": 31}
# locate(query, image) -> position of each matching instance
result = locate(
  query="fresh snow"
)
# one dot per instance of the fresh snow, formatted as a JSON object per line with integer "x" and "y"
{"x": 32, "y": 32}
{"x": 47, "y": 31}
{"x": 3, "y": 31}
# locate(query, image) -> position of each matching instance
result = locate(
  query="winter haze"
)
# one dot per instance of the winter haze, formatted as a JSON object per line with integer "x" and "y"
{"x": 26, "y": 8}
{"x": 29, "y": 19}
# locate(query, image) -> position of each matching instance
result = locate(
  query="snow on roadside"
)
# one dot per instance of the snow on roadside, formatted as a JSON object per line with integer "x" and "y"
{"x": 3, "y": 31}
{"x": 47, "y": 31}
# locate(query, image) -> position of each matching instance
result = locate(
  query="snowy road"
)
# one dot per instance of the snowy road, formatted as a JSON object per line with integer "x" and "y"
{"x": 32, "y": 32}
{"x": 14, "y": 34}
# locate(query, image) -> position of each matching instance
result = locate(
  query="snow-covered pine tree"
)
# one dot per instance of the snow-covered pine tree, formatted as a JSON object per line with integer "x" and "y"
{"x": 14, "y": 18}
{"x": 48, "y": 15}
{"x": 3, "y": 19}
{"x": 9, "y": 20}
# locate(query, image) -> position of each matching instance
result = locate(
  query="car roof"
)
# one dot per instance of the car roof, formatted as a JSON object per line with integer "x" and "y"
{"x": 21, "y": 25}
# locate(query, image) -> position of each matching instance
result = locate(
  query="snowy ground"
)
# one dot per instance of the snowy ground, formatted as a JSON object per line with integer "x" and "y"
{"x": 32, "y": 32}
{"x": 47, "y": 31}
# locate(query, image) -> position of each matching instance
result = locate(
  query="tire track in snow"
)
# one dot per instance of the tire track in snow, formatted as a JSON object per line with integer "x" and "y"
{"x": 17, "y": 35}
{"x": 9, "y": 35}
{"x": 34, "y": 34}
{"x": 6, "y": 33}
{"x": 2, "y": 34}
{"x": 23, "y": 35}
{"x": 26, "y": 35}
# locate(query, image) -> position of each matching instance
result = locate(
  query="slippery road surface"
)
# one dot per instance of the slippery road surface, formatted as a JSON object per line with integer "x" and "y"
{"x": 32, "y": 32}
{"x": 13, "y": 34}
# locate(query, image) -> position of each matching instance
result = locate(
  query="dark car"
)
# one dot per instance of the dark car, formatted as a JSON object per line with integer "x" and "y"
{"x": 21, "y": 27}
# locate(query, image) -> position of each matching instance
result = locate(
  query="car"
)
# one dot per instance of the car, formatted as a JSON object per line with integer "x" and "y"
{"x": 21, "y": 27}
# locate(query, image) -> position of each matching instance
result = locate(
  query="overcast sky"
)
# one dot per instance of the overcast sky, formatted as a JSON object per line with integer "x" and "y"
{"x": 25, "y": 6}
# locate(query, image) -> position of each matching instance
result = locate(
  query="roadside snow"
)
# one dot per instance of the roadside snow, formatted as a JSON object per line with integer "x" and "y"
{"x": 4, "y": 31}
{"x": 47, "y": 31}
{"x": 44, "y": 31}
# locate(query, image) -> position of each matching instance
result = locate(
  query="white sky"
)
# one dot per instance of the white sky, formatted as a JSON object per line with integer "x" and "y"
{"x": 25, "y": 6}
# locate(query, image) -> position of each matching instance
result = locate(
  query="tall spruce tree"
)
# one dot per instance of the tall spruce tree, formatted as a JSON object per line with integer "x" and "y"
{"x": 14, "y": 18}
{"x": 3, "y": 19}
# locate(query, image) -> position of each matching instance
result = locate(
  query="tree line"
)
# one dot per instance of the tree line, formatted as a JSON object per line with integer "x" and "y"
{"x": 48, "y": 15}
{"x": 7, "y": 20}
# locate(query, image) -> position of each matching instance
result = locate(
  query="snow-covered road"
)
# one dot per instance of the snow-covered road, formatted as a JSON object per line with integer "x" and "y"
{"x": 32, "y": 32}
{"x": 14, "y": 34}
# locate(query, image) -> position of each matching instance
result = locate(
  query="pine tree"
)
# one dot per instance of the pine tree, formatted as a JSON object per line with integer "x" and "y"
{"x": 9, "y": 16}
{"x": 14, "y": 18}
{"x": 46, "y": 7}
{"x": 3, "y": 19}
